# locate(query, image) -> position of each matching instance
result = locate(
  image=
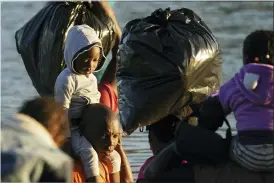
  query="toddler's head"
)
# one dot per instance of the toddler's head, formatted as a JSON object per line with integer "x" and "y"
{"x": 87, "y": 61}
{"x": 258, "y": 47}
{"x": 83, "y": 50}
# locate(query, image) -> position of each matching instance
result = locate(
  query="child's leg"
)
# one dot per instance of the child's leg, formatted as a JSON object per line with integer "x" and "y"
{"x": 113, "y": 162}
{"x": 84, "y": 150}
{"x": 253, "y": 157}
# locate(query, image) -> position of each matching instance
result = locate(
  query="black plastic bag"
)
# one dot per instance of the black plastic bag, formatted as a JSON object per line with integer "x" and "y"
{"x": 165, "y": 62}
{"x": 41, "y": 40}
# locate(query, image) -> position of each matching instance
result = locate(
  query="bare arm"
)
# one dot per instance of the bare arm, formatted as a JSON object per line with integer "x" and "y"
{"x": 114, "y": 177}
{"x": 125, "y": 172}
{"x": 108, "y": 10}
{"x": 109, "y": 75}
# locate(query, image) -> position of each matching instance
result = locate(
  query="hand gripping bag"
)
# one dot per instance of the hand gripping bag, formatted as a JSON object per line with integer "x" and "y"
{"x": 41, "y": 40}
{"x": 166, "y": 61}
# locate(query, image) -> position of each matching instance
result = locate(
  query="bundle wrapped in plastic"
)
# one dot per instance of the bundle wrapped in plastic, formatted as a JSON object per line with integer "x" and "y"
{"x": 41, "y": 40}
{"x": 165, "y": 62}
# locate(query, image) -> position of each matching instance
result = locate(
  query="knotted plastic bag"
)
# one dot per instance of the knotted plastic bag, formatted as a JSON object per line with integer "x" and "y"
{"x": 165, "y": 62}
{"x": 41, "y": 40}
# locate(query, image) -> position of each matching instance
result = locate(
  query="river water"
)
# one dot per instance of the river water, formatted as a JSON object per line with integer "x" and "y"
{"x": 229, "y": 21}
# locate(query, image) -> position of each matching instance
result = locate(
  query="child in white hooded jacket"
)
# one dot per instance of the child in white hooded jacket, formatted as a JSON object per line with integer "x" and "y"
{"x": 76, "y": 86}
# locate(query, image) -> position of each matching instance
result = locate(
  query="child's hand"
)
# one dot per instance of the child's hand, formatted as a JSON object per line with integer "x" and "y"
{"x": 119, "y": 145}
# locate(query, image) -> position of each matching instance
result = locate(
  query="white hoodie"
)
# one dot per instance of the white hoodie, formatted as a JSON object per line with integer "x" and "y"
{"x": 71, "y": 89}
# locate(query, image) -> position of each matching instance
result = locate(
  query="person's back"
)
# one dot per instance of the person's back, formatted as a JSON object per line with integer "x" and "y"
{"x": 29, "y": 151}
{"x": 249, "y": 94}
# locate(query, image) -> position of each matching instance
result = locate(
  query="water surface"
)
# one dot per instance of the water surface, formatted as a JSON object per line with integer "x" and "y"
{"x": 229, "y": 21}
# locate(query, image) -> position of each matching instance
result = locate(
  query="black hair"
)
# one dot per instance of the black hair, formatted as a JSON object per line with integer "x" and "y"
{"x": 164, "y": 129}
{"x": 100, "y": 114}
{"x": 258, "y": 47}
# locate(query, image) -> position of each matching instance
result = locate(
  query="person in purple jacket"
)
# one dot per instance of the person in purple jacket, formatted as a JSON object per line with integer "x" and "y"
{"x": 250, "y": 96}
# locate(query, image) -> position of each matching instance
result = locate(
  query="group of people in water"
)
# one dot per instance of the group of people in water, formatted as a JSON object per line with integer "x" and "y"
{"x": 80, "y": 122}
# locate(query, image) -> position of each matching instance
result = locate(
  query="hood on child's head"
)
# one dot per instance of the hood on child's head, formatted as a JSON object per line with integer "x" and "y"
{"x": 81, "y": 38}
{"x": 256, "y": 81}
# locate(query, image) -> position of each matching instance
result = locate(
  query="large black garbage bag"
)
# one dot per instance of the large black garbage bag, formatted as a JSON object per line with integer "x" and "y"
{"x": 165, "y": 62}
{"x": 41, "y": 40}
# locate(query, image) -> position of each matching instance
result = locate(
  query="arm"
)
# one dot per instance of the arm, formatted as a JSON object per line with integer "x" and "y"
{"x": 108, "y": 10}
{"x": 213, "y": 110}
{"x": 108, "y": 96}
{"x": 211, "y": 114}
{"x": 225, "y": 95}
{"x": 63, "y": 90}
{"x": 105, "y": 96}
{"x": 126, "y": 172}
{"x": 109, "y": 75}
{"x": 114, "y": 177}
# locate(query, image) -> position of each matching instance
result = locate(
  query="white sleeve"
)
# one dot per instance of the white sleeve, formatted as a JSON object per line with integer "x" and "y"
{"x": 64, "y": 88}
{"x": 114, "y": 162}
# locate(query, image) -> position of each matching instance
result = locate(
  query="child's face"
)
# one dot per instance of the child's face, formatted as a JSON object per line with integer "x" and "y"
{"x": 87, "y": 62}
{"x": 109, "y": 139}
{"x": 105, "y": 137}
